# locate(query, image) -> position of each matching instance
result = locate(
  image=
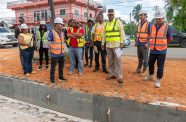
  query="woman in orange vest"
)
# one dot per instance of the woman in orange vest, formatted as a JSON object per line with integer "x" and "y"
{"x": 26, "y": 49}
{"x": 160, "y": 36}
{"x": 56, "y": 38}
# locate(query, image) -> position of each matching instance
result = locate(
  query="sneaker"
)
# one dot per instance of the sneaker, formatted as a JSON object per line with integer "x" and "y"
{"x": 137, "y": 71}
{"x": 70, "y": 72}
{"x": 150, "y": 77}
{"x": 80, "y": 73}
{"x": 33, "y": 72}
{"x": 39, "y": 68}
{"x": 157, "y": 83}
{"x": 27, "y": 74}
{"x": 95, "y": 70}
{"x": 144, "y": 73}
{"x": 47, "y": 67}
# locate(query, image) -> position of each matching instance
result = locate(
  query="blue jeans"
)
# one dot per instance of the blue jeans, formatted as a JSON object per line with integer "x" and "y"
{"x": 27, "y": 56}
{"x": 76, "y": 52}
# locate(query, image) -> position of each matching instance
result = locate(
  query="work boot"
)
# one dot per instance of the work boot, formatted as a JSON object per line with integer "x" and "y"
{"x": 90, "y": 65}
{"x": 110, "y": 77}
{"x": 120, "y": 81}
{"x": 39, "y": 68}
{"x": 62, "y": 79}
{"x": 157, "y": 83}
{"x": 144, "y": 73}
{"x": 137, "y": 71}
{"x": 86, "y": 64}
{"x": 95, "y": 70}
{"x": 105, "y": 71}
{"x": 149, "y": 77}
{"x": 47, "y": 67}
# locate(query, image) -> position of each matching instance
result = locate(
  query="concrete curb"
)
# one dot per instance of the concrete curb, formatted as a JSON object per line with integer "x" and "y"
{"x": 94, "y": 107}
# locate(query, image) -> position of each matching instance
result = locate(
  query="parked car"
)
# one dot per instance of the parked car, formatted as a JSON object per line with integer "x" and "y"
{"x": 179, "y": 38}
{"x": 7, "y": 37}
{"x": 127, "y": 42}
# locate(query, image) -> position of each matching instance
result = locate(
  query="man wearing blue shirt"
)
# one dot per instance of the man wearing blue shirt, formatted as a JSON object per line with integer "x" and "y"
{"x": 160, "y": 36}
{"x": 56, "y": 39}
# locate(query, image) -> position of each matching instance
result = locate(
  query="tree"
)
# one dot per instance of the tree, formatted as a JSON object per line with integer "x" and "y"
{"x": 175, "y": 9}
{"x": 135, "y": 12}
{"x": 127, "y": 28}
{"x": 170, "y": 8}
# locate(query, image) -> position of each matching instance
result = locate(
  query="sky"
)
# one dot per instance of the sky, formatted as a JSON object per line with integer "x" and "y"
{"x": 122, "y": 7}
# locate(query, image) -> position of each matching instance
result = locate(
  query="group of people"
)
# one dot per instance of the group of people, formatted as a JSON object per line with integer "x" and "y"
{"x": 101, "y": 38}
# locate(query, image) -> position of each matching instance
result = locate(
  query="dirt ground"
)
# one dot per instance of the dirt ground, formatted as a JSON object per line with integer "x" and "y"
{"x": 172, "y": 89}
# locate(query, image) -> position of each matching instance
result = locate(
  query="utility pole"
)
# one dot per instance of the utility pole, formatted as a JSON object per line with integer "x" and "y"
{"x": 52, "y": 12}
{"x": 88, "y": 2}
{"x": 130, "y": 26}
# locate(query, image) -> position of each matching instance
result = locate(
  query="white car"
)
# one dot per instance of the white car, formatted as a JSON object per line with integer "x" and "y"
{"x": 7, "y": 37}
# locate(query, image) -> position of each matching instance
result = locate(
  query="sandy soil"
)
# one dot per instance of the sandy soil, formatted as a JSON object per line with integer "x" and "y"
{"x": 134, "y": 88}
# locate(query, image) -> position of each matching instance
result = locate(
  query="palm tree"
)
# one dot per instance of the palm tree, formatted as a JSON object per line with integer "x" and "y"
{"x": 135, "y": 12}
{"x": 171, "y": 7}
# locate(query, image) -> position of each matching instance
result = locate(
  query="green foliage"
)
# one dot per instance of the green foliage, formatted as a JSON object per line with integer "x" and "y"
{"x": 176, "y": 11}
{"x": 128, "y": 26}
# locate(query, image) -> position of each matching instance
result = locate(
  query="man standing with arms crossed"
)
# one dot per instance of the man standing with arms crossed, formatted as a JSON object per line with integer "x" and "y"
{"x": 114, "y": 35}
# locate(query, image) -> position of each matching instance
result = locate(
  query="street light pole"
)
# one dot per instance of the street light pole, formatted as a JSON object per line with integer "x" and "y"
{"x": 52, "y": 17}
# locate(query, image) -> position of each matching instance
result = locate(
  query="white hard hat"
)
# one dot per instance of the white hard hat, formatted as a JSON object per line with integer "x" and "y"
{"x": 42, "y": 22}
{"x": 24, "y": 26}
{"x": 58, "y": 20}
{"x": 142, "y": 12}
{"x": 159, "y": 14}
{"x": 90, "y": 19}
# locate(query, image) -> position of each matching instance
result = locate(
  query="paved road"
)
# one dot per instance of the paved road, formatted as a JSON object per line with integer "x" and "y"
{"x": 17, "y": 111}
{"x": 178, "y": 53}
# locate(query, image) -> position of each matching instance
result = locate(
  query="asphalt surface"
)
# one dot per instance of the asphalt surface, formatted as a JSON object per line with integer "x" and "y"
{"x": 173, "y": 52}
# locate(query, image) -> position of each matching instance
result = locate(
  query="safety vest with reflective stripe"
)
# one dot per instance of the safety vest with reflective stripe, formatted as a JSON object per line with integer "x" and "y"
{"x": 158, "y": 38}
{"x": 98, "y": 31}
{"x": 57, "y": 45}
{"x": 112, "y": 32}
{"x": 81, "y": 41}
{"x": 142, "y": 32}
{"x": 44, "y": 39}
{"x": 28, "y": 38}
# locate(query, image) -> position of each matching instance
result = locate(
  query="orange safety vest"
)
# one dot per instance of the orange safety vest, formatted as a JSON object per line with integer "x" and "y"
{"x": 57, "y": 45}
{"x": 142, "y": 32}
{"x": 98, "y": 31}
{"x": 158, "y": 39}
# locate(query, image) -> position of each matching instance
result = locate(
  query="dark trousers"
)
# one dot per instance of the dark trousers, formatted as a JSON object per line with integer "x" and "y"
{"x": 142, "y": 57}
{"x": 54, "y": 61}
{"x": 88, "y": 50}
{"x": 41, "y": 51}
{"x": 103, "y": 56}
{"x": 26, "y": 55}
{"x": 160, "y": 63}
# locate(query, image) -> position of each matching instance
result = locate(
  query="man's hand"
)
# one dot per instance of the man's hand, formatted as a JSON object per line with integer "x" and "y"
{"x": 146, "y": 45}
{"x": 121, "y": 45}
{"x": 102, "y": 47}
